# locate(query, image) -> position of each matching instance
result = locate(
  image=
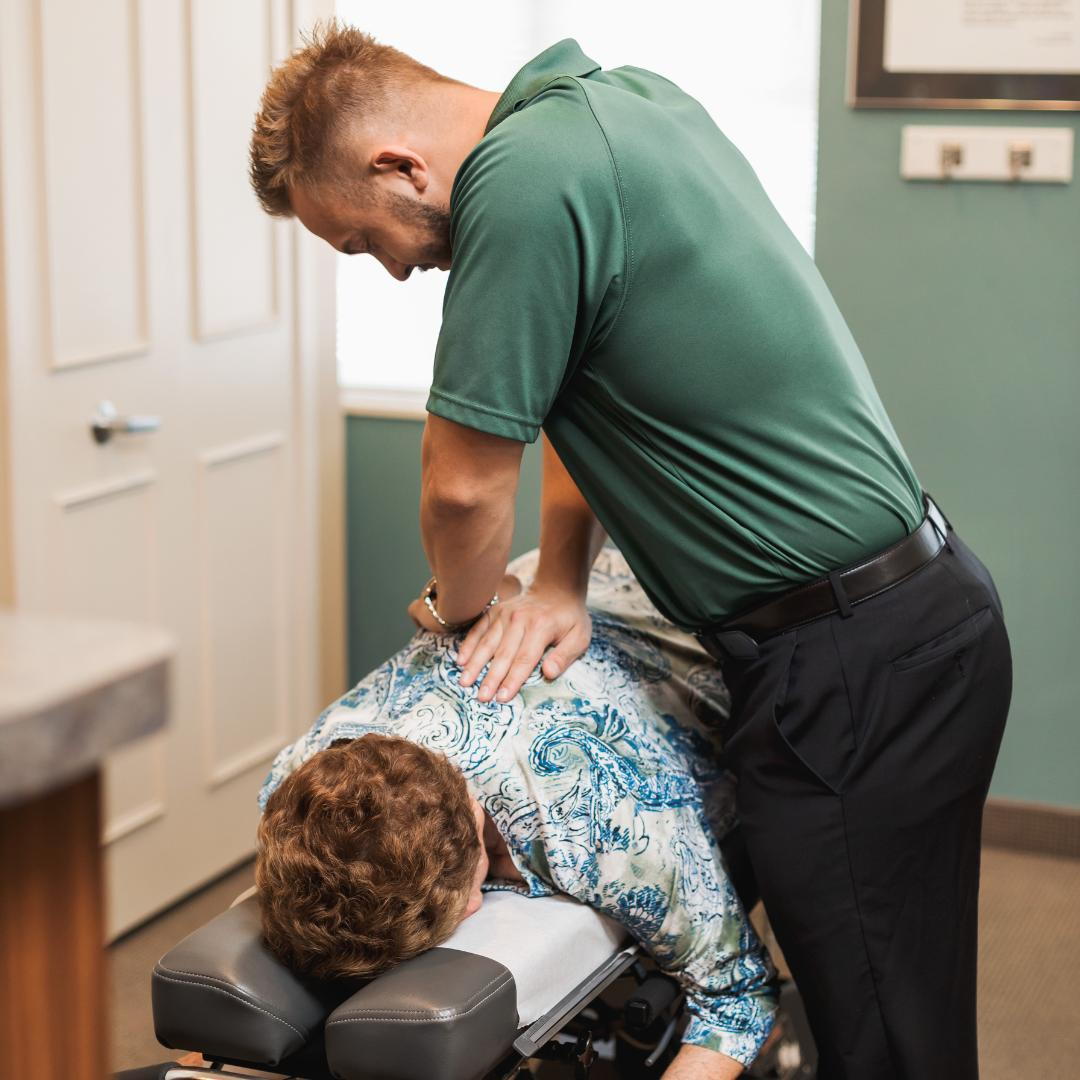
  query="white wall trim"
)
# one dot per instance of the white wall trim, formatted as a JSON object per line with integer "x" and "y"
{"x": 387, "y": 402}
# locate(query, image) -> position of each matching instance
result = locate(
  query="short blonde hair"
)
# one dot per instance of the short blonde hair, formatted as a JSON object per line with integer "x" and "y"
{"x": 340, "y": 75}
{"x": 366, "y": 856}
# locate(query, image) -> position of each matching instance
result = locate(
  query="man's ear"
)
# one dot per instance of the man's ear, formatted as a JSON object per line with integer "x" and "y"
{"x": 395, "y": 158}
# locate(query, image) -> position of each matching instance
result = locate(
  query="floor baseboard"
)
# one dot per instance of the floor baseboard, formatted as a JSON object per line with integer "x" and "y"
{"x": 1032, "y": 827}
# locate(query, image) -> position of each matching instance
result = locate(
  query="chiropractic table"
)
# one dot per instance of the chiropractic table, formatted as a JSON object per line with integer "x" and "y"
{"x": 520, "y": 979}
{"x": 517, "y": 980}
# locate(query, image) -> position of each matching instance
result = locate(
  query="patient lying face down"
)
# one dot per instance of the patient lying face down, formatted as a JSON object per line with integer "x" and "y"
{"x": 371, "y": 852}
{"x": 409, "y": 798}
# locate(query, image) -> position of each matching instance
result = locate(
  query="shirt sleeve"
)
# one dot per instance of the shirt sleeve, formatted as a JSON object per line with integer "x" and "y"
{"x": 537, "y": 262}
{"x": 672, "y": 891}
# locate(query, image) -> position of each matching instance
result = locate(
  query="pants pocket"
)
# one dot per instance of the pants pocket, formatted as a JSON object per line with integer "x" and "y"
{"x": 812, "y": 713}
{"x": 948, "y": 642}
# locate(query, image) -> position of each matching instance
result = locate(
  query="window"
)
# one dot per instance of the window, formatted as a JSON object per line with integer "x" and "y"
{"x": 753, "y": 66}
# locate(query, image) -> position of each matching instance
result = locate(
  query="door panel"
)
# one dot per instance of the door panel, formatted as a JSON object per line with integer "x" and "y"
{"x": 89, "y": 103}
{"x": 235, "y": 243}
{"x": 135, "y": 788}
{"x": 245, "y": 674}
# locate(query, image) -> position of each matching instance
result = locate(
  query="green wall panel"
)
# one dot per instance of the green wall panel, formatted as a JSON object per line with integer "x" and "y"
{"x": 965, "y": 299}
{"x": 386, "y": 562}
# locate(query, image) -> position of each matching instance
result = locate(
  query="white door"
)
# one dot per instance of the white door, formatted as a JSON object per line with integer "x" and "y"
{"x": 139, "y": 270}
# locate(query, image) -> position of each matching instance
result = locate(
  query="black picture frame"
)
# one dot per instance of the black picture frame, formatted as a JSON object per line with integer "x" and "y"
{"x": 870, "y": 86}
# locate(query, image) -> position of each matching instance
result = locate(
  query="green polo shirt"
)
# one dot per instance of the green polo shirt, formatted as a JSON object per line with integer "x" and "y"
{"x": 620, "y": 279}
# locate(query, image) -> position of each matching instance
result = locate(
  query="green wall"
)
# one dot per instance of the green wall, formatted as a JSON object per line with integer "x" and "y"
{"x": 965, "y": 299}
{"x": 387, "y": 566}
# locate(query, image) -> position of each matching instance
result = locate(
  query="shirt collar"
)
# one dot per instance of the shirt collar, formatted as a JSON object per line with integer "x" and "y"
{"x": 563, "y": 58}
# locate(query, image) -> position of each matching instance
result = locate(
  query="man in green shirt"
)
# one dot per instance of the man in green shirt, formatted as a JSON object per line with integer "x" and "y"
{"x": 620, "y": 282}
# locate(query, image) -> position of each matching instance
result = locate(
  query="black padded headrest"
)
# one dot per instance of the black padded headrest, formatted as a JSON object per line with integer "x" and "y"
{"x": 222, "y": 992}
{"x": 445, "y": 1014}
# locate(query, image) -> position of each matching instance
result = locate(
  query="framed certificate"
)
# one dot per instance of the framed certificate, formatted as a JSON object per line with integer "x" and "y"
{"x": 964, "y": 54}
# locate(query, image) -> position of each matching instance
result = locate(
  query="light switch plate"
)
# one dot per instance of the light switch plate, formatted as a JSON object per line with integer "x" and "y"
{"x": 936, "y": 152}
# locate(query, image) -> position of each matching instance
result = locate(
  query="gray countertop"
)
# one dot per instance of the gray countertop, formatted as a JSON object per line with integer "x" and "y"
{"x": 71, "y": 690}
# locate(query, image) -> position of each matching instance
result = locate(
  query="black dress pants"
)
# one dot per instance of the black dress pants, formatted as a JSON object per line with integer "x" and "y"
{"x": 863, "y": 747}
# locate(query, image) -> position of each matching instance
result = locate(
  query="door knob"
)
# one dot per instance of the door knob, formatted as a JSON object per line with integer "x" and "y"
{"x": 107, "y": 423}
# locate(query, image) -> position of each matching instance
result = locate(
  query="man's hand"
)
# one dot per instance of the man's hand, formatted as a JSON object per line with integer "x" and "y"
{"x": 514, "y": 634}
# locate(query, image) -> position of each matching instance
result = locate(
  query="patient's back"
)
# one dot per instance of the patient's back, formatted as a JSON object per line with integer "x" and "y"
{"x": 593, "y": 756}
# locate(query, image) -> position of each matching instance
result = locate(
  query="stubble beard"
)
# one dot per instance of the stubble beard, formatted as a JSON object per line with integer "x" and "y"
{"x": 431, "y": 222}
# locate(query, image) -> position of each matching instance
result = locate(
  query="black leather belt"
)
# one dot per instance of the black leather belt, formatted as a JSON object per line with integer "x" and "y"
{"x": 835, "y": 592}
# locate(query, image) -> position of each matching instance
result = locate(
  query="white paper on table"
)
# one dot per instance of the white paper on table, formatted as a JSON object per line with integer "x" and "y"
{"x": 549, "y": 943}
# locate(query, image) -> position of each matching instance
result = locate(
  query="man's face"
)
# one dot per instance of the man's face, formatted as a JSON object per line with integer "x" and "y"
{"x": 399, "y": 228}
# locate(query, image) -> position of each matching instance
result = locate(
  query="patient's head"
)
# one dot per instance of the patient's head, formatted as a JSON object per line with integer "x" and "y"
{"x": 369, "y": 853}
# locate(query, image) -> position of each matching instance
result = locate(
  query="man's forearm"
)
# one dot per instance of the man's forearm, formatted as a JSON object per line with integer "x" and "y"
{"x": 697, "y": 1063}
{"x": 570, "y": 535}
{"x": 466, "y": 514}
{"x": 468, "y": 545}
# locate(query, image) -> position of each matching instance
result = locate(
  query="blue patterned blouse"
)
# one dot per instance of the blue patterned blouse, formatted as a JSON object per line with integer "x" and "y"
{"x": 604, "y": 784}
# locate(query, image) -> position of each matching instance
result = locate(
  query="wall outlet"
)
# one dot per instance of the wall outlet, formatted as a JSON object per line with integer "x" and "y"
{"x": 1009, "y": 154}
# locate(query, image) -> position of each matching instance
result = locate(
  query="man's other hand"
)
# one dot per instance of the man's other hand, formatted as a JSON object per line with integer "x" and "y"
{"x": 514, "y": 634}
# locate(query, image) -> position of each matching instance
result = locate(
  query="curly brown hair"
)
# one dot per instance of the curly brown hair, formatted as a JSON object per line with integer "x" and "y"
{"x": 339, "y": 76}
{"x": 366, "y": 856}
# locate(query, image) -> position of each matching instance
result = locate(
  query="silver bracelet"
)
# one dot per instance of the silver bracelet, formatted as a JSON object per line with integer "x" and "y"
{"x": 429, "y": 596}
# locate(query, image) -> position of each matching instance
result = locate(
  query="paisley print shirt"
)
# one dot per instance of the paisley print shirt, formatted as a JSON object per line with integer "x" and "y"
{"x": 605, "y": 783}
